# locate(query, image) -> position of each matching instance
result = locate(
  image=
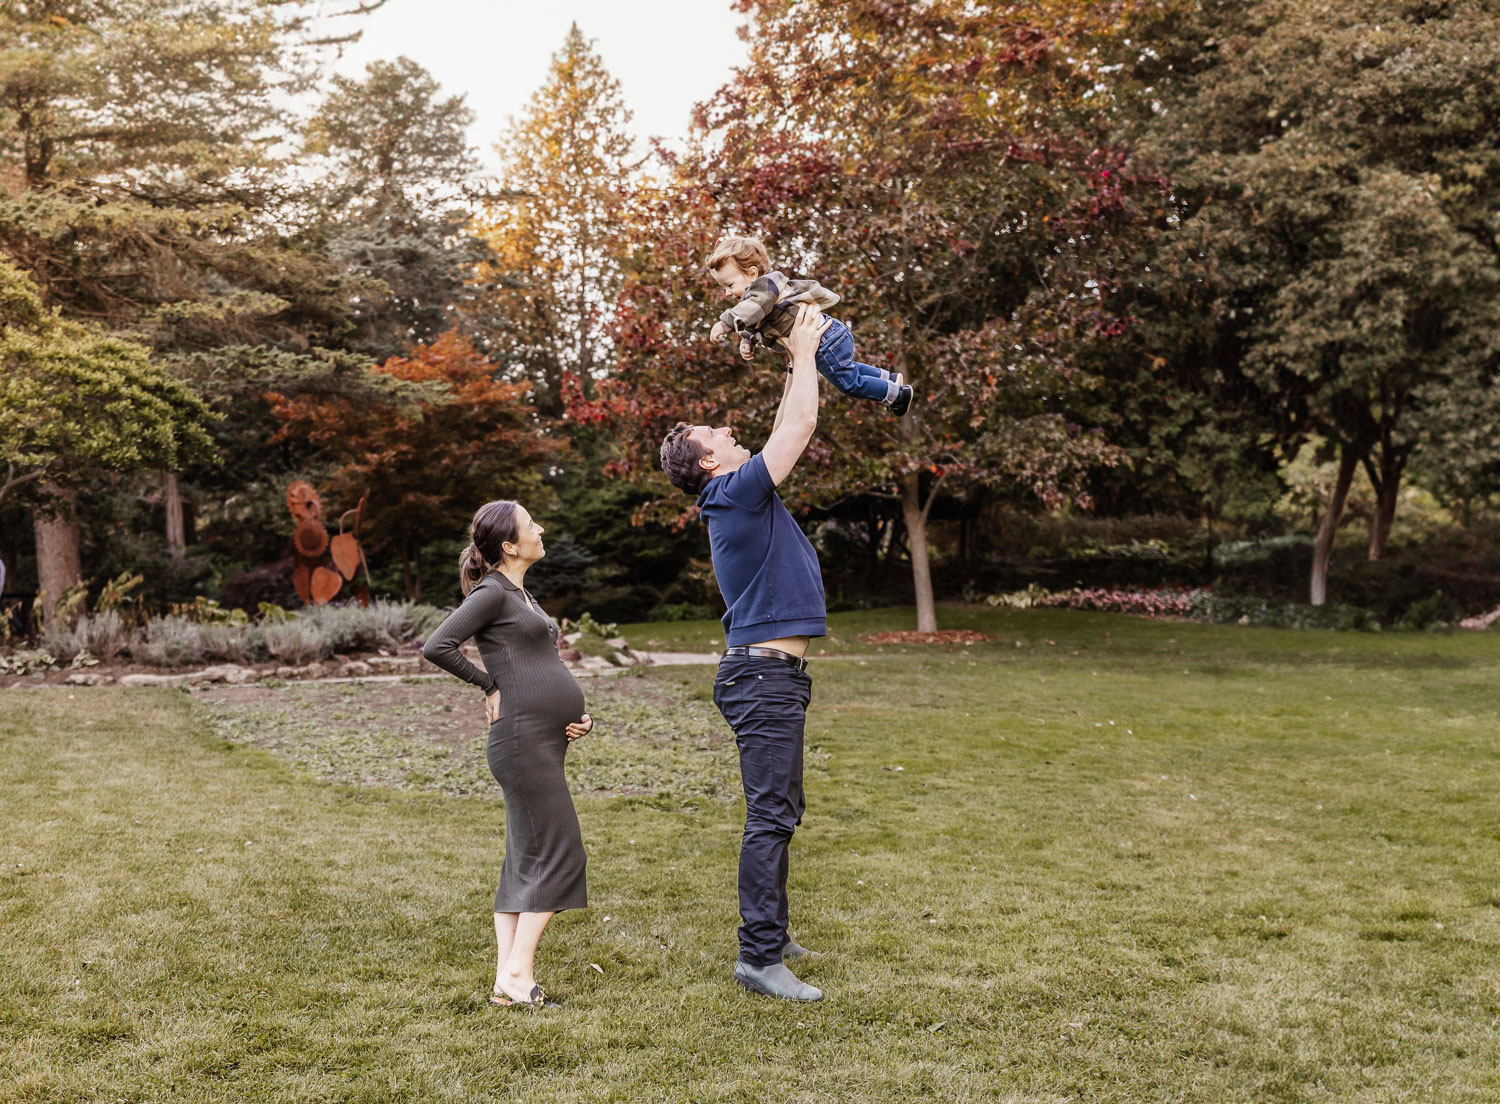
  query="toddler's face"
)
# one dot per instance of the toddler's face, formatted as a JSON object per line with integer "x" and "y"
{"x": 733, "y": 279}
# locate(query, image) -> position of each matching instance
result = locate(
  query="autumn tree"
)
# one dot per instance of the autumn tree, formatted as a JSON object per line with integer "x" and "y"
{"x": 940, "y": 166}
{"x": 566, "y": 169}
{"x": 429, "y": 456}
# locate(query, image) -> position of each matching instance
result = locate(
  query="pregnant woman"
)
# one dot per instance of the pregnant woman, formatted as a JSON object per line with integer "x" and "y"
{"x": 535, "y": 710}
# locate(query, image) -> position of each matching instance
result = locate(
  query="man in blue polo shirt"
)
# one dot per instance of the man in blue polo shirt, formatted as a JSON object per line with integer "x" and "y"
{"x": 769, "y": 576}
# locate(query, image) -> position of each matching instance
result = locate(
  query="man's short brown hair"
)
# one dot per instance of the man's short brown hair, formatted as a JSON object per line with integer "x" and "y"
{"x": 746, "y": 253}
{"x": 679, "y": 459}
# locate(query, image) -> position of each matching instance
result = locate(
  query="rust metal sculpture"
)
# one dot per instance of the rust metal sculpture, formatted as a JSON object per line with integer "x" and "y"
{"x": 315, "y": 582}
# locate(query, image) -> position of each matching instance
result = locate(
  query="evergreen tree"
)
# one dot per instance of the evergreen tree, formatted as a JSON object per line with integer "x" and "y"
{"x": 396, "y": 166}
{"x": 138, "y": 145}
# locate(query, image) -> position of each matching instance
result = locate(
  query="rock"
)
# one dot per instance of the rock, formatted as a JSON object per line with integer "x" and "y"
{"x": 311, "y": 670}
{"x": 393, "y": 661}
{"x": 224, "y": 672}
{"x": 618, "y": 643}
{"x": 571, "y": 638}
{"x": 354, "y": 669}
{"x": 595, "y": 663}
{"x": 84, "y": 679}
{"x": 570, "y": 656}
{"x": 153, "y": 680}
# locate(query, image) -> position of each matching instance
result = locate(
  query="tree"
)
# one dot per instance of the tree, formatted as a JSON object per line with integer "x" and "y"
{"x": 567, "y": 168}
{"x": 1333, "y": 160}
{"x": 74, "y": 399}
{"x": 137, "y": 147}
{"x": 428, "y": 464}
{"x": 940, "y": 165}
{"x": 396, "y": 165}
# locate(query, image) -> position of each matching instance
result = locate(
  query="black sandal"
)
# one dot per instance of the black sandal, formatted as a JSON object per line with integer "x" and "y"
{"x": 537, "y": 999}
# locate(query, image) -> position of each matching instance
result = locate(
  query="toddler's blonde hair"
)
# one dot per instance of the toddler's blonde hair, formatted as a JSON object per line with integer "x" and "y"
{"x": 745, "y": 252}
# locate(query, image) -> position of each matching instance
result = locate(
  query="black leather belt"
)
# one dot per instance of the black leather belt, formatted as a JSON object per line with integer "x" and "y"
{"x": 768, "y": 653}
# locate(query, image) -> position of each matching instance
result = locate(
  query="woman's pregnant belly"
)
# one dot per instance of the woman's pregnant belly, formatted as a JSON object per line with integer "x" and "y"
{"x": 549, "y": 700}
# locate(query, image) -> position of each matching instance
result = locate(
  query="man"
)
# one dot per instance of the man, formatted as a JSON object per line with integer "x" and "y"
{"x": 769, "y": 576}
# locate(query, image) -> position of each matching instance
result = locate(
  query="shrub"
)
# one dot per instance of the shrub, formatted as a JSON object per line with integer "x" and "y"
{"x": 231, "y": 643}
{"x": 379, "y": 625}
{"x": 26, "y": 661}
{"x": 102, "y": 635}
{"x": 296, "y": 642}
{"x": 1438, "y": 610}
{"x": 167, "y": 642}
{"x": 1249, "y": 610}
{"x": 681, "y": 611}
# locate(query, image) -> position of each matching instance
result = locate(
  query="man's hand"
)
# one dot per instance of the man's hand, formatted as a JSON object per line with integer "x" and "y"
{"x": 580, "y": 728}
{"x": 719, "y": 332}
{"x": 747, "y": 348}
{"x": 807, "y": 331}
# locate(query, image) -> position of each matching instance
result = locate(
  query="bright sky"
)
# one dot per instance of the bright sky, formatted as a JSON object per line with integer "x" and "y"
{"x": 666, "y": 54}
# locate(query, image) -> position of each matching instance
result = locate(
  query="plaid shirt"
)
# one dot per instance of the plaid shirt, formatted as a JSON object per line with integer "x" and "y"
{"x": 767, "y": 310}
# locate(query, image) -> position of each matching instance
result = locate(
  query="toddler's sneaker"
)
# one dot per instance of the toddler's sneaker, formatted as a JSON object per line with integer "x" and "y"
{"x": 902, "y": 402}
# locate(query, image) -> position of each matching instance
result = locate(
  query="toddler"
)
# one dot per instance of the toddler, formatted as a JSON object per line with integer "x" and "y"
{"x": 766, "y": 309}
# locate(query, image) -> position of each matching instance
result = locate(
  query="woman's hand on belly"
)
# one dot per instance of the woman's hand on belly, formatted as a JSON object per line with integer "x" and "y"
{"x": 492, "y": 707}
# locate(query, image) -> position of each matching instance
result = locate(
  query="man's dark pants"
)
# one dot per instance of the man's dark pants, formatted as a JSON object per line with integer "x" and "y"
{"x": 765, "y": 702}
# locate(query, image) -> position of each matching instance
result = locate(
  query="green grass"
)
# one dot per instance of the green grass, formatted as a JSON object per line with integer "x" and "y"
{"x": 1120, "y": 861}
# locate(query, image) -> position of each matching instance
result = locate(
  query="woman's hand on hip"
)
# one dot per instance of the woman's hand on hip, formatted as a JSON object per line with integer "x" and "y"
{"x": 580, "y": 728}
{"x": 492, "y": 707}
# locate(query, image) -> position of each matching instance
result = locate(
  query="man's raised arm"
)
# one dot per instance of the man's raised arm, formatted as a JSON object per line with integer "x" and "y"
{"x": 797, "y": 416}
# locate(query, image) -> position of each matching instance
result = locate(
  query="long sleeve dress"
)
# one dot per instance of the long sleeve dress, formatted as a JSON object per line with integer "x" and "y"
{"x": 539, "y": 697}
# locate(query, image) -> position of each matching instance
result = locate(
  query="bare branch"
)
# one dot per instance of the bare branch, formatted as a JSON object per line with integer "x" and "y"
{"x": 12, "y": 480}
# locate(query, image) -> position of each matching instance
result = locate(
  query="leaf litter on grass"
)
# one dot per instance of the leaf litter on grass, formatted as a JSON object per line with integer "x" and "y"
{"x": 653, "y": 737}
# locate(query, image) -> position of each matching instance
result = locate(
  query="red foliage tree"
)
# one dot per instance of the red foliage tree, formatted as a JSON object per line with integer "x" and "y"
{"x": 946, "y": 167}
{"x": 464, "y": 438}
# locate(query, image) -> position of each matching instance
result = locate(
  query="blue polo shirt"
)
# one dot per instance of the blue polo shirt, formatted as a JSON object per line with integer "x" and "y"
{"x": 766, "y": 566}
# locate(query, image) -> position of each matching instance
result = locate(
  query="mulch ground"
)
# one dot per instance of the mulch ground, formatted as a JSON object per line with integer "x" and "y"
{"x": 944, "y": 636}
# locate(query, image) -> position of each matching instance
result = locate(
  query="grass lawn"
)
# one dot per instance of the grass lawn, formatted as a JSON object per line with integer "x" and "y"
{"x": 1101, "y": 859}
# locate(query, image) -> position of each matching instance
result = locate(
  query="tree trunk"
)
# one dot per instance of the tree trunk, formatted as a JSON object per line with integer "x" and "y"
{"x": 413, "y": 587}
{"x": 1323, "y": 546}
{"x": 58, "y": 566}
{"x": 171, "y": 500}
{"x": 916, "y": 539}
{"x": 1385, "y": 507}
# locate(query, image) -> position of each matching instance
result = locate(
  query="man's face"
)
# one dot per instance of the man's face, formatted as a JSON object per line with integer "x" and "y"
{"x": 720, "y": 446}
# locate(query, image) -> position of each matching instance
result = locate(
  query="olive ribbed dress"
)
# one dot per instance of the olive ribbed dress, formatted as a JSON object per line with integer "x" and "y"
{"x": 539, "y": 698}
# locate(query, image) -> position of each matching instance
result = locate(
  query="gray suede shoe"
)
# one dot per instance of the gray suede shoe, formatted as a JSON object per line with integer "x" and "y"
{"x": 794, "y": 951}
{"x": 775, "y": 981}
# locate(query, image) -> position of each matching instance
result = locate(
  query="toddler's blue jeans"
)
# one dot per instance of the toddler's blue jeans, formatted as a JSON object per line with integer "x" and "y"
{"x": 835, "y": 360}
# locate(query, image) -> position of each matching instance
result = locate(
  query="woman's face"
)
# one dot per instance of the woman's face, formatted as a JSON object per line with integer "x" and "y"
{"x": 527, "y": 546}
